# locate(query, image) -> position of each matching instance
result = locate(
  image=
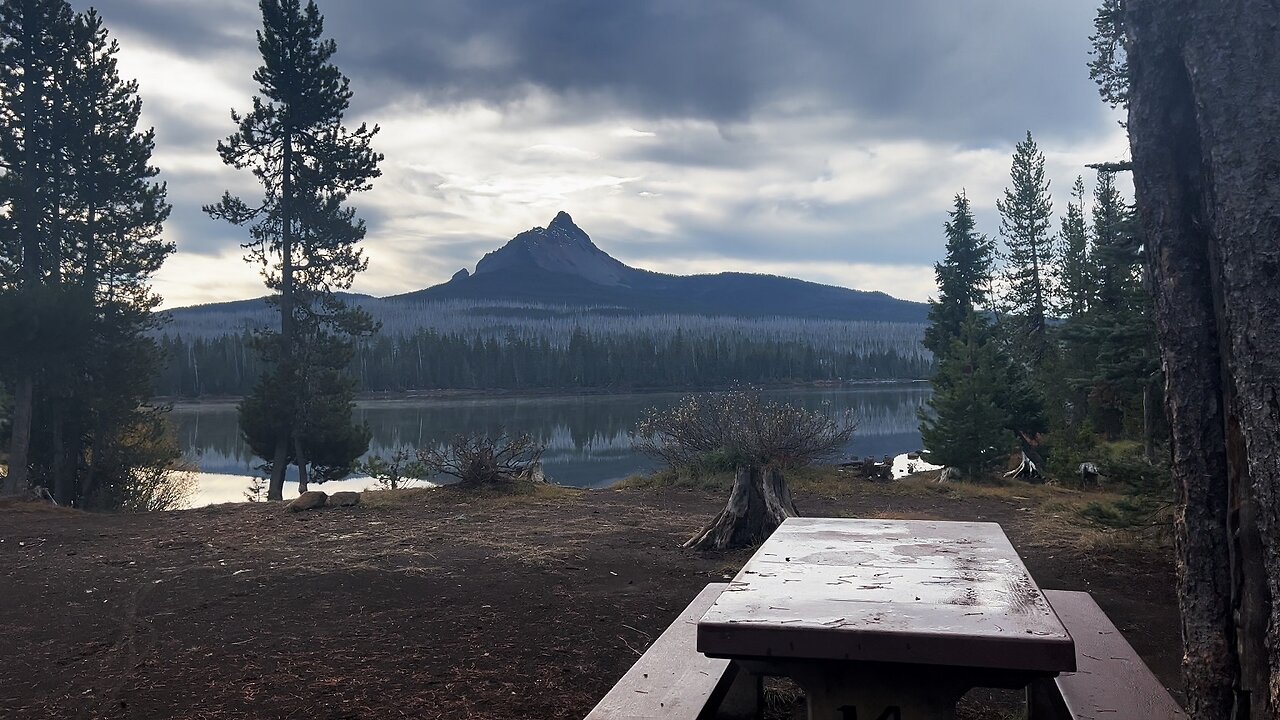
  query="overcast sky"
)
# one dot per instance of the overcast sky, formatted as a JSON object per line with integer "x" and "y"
{"x": 816, "y": 139}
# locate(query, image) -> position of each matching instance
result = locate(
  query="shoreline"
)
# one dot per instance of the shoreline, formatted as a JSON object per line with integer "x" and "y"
{"x": 378, "y": 399}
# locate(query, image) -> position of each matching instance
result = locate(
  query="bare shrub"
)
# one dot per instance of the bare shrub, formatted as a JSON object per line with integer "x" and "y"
{"x": 487, "y": 460}
{"x": 739, "y": 427}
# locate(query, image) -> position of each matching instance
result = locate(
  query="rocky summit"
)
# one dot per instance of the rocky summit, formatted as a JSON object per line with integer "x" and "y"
{"x": 560, "y": 247}
{"x": 561, "y": 264}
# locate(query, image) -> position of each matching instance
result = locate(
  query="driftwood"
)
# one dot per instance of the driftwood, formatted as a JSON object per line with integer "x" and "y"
{"x": 1026, "y": 470}
{"x": 1090, "y": 474}
{"x": 40, "y": 493}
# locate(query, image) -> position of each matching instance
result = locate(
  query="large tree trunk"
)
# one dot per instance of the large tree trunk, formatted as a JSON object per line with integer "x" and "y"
{"x": 1150, "y": 420}
{"x": 89, "y": 481}
{"x": 301, "y": 459}
{"x": 20, "y": 442}
{"x": 280, "y": 461}
{"x": 758, "y": 503}
{"x": 1203, "y": 103}
{"x": 32, "y": 271}
{"x": 279, "y": 465}
{"x": 64, "y": 487}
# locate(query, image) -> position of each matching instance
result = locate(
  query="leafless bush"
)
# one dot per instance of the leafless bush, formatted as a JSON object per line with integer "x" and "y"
{"x": 150, "y": 488}
{"x": 739, "y": 427}
{"x": 482, "y": 459}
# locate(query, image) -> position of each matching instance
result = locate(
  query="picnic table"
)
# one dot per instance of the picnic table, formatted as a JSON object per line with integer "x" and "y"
{"x": 887, "y": 619}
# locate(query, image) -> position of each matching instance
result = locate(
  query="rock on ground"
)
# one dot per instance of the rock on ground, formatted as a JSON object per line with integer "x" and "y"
{"x": 344, "y": 499}
{"x": 309, "y": 500}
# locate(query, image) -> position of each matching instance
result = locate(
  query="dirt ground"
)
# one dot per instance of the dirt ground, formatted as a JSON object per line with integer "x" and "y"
{"x": 442, "y": 604}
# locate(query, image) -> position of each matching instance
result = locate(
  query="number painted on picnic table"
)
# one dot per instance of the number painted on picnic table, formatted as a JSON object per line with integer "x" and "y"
{"x": 849, "y": 712}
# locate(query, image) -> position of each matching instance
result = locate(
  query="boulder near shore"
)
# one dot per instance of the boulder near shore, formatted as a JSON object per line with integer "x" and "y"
{"x": 309, "y": 500}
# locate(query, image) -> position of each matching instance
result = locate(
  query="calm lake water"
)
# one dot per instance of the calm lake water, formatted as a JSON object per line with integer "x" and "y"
{"x": 586, "y": 435}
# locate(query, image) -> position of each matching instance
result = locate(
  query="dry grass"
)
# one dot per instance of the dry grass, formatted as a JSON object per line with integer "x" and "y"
{"x": 682, "y": 479}
{"x": 783, "y": 699}
{"x": 397, "y": 497}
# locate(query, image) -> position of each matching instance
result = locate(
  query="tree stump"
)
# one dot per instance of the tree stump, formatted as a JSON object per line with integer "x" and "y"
{"x": 759, "y": 502}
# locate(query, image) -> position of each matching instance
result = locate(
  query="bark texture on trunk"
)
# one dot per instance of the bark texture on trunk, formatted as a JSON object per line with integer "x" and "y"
{"x": 304, "y": 478}
{"x": 279, "y": 465}
{"x": 64, "y": 487}
{"x": 1204, "y": 97}
{"x": 1150, "y": 421}
{"x": 20, "y": 441}
{"x": 32, "y": 272}
{"x": 758, "y": 503}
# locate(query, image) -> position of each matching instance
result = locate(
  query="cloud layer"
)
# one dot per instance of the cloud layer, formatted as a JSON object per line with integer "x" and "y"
{"x": 820, "y": 140}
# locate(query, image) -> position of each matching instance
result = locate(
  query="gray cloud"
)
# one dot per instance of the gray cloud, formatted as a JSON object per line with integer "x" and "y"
{"x": 760, "y": 111}
{"x": 971, "y": 71}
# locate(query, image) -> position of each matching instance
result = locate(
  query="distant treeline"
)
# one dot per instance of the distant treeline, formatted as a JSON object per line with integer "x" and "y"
{"x": 427, "y": 359}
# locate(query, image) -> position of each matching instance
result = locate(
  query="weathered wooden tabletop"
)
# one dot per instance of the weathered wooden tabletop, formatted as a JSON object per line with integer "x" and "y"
{"x": 888, "y": 591}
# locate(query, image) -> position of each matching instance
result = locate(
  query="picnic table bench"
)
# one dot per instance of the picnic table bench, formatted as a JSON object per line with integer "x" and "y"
{"x": 1110, "y": 680}
{"x": 673, "y": 681}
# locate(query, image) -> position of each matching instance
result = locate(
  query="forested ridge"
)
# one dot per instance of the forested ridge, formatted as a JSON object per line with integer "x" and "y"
{"x": 468, "y": 344}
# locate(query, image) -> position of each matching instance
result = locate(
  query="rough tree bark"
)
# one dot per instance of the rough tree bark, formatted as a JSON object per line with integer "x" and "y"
{"x": 1204, "y": 97}
{"x": 275, "y": 490}
{"x": 20, "y": 442}
{"x": 32, "y": 273}
{"x": 758, "y": 503}
{"x": 304, "y": 478}
{"x": 279, "y": 464}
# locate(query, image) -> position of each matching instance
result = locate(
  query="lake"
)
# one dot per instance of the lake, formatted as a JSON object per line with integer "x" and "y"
{"x": 586, "y": 435}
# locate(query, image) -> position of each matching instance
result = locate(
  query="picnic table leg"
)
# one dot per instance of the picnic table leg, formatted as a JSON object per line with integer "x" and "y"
{"x": 744, "y": 699}
{"x": 868, "y": 693}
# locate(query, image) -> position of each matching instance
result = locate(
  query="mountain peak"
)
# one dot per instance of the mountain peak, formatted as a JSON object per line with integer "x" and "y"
{"x": 562, "y": 220}
{"x": 561, "y": 247}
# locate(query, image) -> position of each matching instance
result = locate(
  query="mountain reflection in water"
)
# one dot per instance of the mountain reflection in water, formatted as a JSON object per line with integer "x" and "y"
{"x": 587, "y": 436}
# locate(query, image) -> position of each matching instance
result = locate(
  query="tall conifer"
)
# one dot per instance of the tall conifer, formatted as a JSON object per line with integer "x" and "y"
{"x": 36, "y": 41}
{"x": 80, "y": 220}
{"x": 1076, "y": 281}
{"x": 1025, "y": 213}
{"x": 303, "y": 235}
{"x": 964, "y": 278}
{"x": 967, "y": 426}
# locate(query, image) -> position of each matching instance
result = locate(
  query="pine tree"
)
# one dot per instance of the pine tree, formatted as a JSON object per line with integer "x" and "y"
{"x": 1025, "y": 213}
{"x": 1109, "y": 67}
{"x": 36, "y": 41}
{"x": 966, "y": 425}
{"x": 1117, "y": 248}
{"x": 80, "y": 175}
{"x": 1075, "y": 279}
{"x": 302, "y": 234}
{"x": 115, "y": 247}
{"x": 1120, "y": 327}
{"x": 1071, "y": 374}
{"x": 964, "y": 279}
